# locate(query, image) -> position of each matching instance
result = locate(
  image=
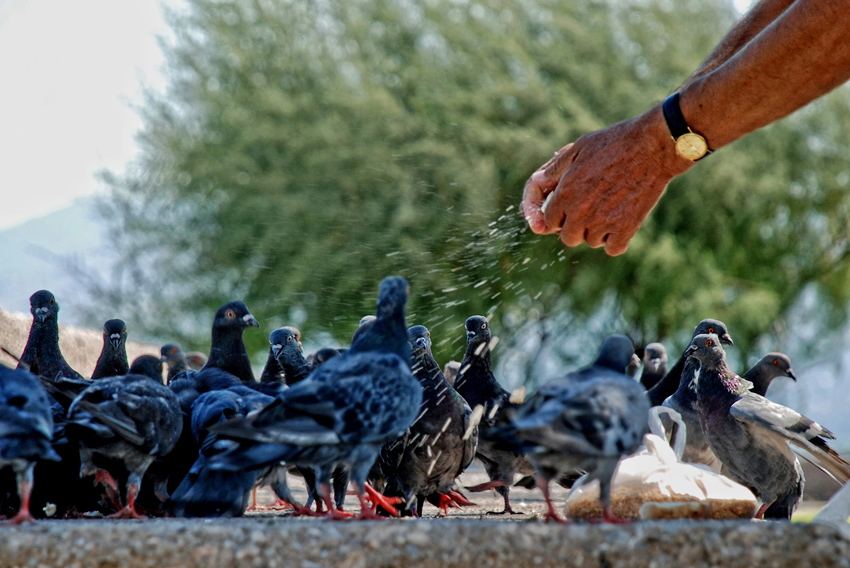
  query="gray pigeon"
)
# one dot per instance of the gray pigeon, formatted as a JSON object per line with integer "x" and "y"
{"x": 769, "y": 367}
{"x": 684, "y": 399}
{"x": 750, "y": 434}
{"x": 670, "y": 383}
{"x": 342, "y": 413}
{"x": 174, "y": 357}
{"x": 654, "y": 366}
{"x": 26, "y": 428}
{"x": 586, "y": 420}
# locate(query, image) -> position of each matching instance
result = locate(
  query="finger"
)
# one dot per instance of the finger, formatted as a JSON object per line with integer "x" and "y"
{"x": 617, "y": 243}
{"x": 572, "y": 234}
{"x": 596, "y": 238}
{"x": 533, "y": 196}
{"x": 554, "y": 169}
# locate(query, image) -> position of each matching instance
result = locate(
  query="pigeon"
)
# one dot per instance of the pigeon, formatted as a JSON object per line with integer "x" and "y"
{"x": 750, "y": 434}
{"x": 342, "y": 413}
{"x": 174, "y": 357}
{"x": 286, "y": 351}
{"x": 132, "y": 420}
{"x": 450, "y": 371}
{"x": 26, "y": 429}
{"x": 42, "y": 355}
{"x": 586, "y": 420}
{"x": 228, "y": 349}
{"x": 668, "y": 385}
{"x": 477, "y": 384}
{"x": 322, "y": 355}
{"x": 439, "y": 446}
{"x": 148, "y": 366}
{"x": 272, "y": 371}
{"x": 654, "y": 365}
{"x": 769, "y": 367}
{"x": 684, "y": 401}
{"x": 196, "y": 360}
{"x": 113, "y": 358}
{"x": 205, "y": 492}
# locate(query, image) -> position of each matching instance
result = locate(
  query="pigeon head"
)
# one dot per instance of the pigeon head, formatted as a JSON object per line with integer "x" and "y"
{"x": 477, "y": 330}
{"x": 617, "y": 353}
{"x": 284, "y": 343}
{"x": 775, "y": 365}
{"x": 297, "y": 333}
{"x": 706, "y": 348}
{"x": 147, "y": 366}
{"x": 114, "y": 333}
{"x": 654, "y": 356}
{"x": 365, "y": 323}
{"x": 196, "y": 360}
{"x": 171, "y": 354}
{"x": 234, "y": 315}
{"x": 716, "y": 327}
{"x": 420, "y": 339}
{"x": 392, "y": 297}
{"x": 43, "y": 305}
{"x": 324, "y": 354}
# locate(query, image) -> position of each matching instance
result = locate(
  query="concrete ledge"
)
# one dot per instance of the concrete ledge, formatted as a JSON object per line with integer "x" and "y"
{"x": 422, "y": 543}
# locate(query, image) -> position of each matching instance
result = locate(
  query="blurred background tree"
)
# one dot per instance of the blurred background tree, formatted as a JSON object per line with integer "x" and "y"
{"x": 304, "y": 150}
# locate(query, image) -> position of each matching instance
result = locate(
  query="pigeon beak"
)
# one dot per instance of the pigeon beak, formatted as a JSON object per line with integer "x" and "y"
{"x": 41, "y": 314}
{"x": 421, "y": 343}
{"x": 790, "y": 373}
{"x": 654, "y": 363}
{"x": 635, "y": 361}
{"x": 691, "y": 350}
{"x": 725, "y": 338}
{"x": 250, "y": 320}
{"x": 115, "y": 340}
{"x": 470, "y": 335}
{"x": 276, "y": 348}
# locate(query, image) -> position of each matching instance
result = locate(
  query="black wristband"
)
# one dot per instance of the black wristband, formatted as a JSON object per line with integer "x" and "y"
{"x": 673, "y": 116}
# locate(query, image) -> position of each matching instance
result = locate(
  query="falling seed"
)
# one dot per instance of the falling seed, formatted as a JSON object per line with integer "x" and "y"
{"x": 517, "y": 395}
{"x": 474, "y": 419}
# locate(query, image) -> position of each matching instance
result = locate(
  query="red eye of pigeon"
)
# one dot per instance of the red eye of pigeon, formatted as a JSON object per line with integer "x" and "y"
{"x": 711, "y": 330}
{"x": 776, "y": 362}
{"x": 230, "y": 314}
{"x": 173, "y": 351}
{"x": 709, "y": 343}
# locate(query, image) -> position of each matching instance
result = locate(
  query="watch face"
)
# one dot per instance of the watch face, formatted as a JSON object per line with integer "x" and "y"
{"x": 691, "y": 146}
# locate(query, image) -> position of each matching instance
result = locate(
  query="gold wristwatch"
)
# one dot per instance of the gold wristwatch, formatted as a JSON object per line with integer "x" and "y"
{"x": 689, "y": 144}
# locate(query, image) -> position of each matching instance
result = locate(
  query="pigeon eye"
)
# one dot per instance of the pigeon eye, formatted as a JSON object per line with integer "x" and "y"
{"x": 483, "y": 326}
{"x": 52, "y": 302}
{"x": 173, "y": 351}
{"x": 776, "y": 362}
{"x": 230, "y": 314}
{"x": 289, "y": 339}
{"x": 709, "y": 343}
{"x": 711, "y": 330}
{"x": 429, "y": 334}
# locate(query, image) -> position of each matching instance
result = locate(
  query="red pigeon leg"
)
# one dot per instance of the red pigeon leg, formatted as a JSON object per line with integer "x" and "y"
{"x": 24, "y": 491}
{"x": 387, "y": 503}
{"x": 551, "y": 514}
{"x": 129, "y": 512}
{"x": 485, "y": 486}
{"x": 459, "y": 499}
{"x": 333, "y": 513}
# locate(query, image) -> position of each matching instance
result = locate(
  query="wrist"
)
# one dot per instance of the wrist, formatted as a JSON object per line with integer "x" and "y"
{"x": 689, "y": 144}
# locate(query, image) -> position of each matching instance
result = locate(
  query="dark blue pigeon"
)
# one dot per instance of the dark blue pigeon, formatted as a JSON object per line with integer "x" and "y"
{"x": 440, "y": 445}
{"x": 42, "y": 355}
{"x": 342, "y": 413}
{"x": 477, "y": 384}
{"x": 26, "y": 429}
{"x": 227, "y": 350}
{"x": 113, "y": 357}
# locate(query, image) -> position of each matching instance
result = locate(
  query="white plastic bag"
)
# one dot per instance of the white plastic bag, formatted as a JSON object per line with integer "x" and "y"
{"x": 653, "y": 483}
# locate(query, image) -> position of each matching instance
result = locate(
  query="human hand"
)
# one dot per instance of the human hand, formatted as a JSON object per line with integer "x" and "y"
{"x": 600, "y": 189}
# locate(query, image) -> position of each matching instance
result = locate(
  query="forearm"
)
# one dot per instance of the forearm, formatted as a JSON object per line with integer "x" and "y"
{"x": 802, "y": 54}
{"x": 758, "y": 17}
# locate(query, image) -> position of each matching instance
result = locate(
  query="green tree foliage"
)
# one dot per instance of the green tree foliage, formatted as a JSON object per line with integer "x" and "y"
{"x": 304, "y": 150}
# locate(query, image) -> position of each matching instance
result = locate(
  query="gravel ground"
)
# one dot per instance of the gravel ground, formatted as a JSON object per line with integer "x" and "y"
{"x": 469, "y": 537}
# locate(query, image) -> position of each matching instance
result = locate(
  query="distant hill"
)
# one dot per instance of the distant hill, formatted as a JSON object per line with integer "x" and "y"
{"x": 37, "y": 255}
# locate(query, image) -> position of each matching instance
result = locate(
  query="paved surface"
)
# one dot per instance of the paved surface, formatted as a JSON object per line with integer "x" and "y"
{"x": 468, "y": 538}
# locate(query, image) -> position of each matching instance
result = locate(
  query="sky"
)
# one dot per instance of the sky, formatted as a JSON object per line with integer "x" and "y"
{"x": 70, "y": 72}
